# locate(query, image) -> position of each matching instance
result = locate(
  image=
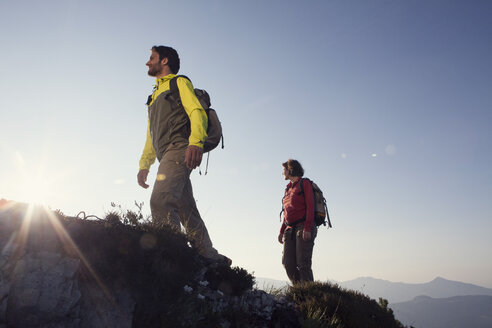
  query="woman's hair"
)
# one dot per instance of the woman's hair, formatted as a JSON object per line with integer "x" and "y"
{"x": 294, "y": 168}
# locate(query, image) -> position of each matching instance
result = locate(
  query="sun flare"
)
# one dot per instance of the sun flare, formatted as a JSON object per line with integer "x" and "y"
{"x": 33, "y": 184}
{"x": 36, "y": 190}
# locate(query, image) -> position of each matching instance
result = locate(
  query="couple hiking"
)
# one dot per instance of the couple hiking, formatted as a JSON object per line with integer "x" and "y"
{"x": 176, "y": 134}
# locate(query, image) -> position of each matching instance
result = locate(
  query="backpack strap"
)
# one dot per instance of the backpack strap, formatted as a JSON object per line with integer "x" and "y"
{"x": 301, "y": 186}
{"x": 173, "y": 84}
{"x": 283, "y": 209}
{"x": 327, "y": 214}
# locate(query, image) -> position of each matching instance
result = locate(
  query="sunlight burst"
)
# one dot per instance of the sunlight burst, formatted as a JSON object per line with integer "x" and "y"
{"x": 33, "y": 185}
{"x": 36, "y": 190}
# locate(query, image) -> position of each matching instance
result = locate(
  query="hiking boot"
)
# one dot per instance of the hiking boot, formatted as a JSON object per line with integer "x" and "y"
{"x": 225, "y": 260}
{"x": 221, "y": 260}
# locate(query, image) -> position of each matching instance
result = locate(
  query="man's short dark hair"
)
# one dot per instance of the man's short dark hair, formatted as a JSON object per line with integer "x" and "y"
{"x": 294, "y": 168}
{"x": 171, "y": 55}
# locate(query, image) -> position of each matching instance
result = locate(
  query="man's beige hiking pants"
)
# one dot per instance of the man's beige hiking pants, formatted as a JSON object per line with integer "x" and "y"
{"x": 172, "y": 202}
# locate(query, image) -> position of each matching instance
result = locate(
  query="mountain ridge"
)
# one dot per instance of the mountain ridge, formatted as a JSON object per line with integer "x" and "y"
{"x": 471, "y": 311}
{"x": 396, "y": 292}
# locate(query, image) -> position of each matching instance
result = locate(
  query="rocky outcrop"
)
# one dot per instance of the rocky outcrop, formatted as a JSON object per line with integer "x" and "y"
{"x": 42, "y": 288}
{"x": 67, "y": 272}
{"x": 44, "y": 291}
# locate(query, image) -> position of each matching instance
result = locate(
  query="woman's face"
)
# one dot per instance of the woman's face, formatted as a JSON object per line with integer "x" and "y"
{"x": 285, "y": 173}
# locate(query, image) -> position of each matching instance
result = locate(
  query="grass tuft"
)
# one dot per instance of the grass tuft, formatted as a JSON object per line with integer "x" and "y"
{"x": 231, "y": 281}
{"x": 327, "y": 305}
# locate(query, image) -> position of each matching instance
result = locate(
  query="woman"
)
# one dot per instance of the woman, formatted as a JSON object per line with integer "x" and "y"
{"x": 298, "y": 230}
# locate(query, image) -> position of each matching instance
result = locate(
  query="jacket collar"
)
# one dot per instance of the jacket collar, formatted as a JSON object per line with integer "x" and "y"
{"x": 163, "y": 79}
{"x": 291, "y": 185}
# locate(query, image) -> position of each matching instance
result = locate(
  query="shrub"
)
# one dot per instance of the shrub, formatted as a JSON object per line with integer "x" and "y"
{"x": 327, "y": 305}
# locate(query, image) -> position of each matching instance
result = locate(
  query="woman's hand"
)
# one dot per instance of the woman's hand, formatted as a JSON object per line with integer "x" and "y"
{"x": 281, "y": 238}
{"x": 306, "y": 235}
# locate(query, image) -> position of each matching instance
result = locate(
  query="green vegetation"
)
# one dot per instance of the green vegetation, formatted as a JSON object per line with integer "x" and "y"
{"x": 327, "y": 305}
{"x": 232, "y": 281}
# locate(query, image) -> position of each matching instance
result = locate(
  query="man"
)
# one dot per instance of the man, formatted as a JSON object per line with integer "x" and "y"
{"x": 175, "y": 137}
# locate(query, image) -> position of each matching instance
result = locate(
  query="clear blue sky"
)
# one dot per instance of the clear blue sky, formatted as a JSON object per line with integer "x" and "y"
{"x": 387, "y": 104}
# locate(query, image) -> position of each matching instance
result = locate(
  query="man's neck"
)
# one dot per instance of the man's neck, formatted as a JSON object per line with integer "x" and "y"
{"x": 163, "y": 73}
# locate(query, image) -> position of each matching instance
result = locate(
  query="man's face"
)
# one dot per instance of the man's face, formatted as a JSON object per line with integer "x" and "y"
{"x": 155, "y": 65}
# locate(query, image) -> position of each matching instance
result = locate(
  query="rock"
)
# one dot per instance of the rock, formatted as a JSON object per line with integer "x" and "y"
{"x": 4, "y": 293}
{"x": 104, "y": 308}
{"x": 43, "y": 290}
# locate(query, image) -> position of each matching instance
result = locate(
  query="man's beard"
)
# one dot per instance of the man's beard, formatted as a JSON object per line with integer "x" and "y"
{"x": 154, "y": 70}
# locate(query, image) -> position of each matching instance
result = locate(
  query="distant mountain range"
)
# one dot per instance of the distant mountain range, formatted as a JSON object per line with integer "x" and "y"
{"x": 453, "y": 312}
{"x": 268, "y": 284}
{"x": 396, "y": 292}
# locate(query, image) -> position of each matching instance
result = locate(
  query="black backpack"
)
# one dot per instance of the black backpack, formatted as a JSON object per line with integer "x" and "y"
{"x": 214, "y": 128}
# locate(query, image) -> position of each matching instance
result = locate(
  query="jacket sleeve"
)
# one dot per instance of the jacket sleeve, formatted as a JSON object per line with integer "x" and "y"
{"x": 283, "y": 227}
{"x": 148, "y": 154}
{"x": 309, "y": 197}
{"x": 195, "y": 111}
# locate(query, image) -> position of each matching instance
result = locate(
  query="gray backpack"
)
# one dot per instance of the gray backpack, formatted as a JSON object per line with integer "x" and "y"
{"x": 321, "y": 216}
{"x": 214, "y": 129}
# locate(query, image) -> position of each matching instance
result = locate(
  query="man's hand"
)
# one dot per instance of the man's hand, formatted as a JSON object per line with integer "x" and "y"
{"x": 193, "y": 156}
{"x": 306, "y": 235}
{"x": 142, "y": 178}
{"x": 281, "y": 238}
